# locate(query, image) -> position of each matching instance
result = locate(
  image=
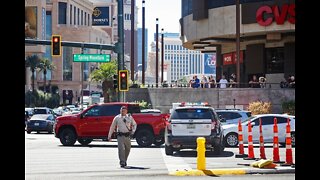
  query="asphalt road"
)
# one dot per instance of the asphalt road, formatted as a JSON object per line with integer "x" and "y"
{"x": 46, "y": 158}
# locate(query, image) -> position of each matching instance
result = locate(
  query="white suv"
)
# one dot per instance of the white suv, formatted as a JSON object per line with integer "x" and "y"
{"x": 186, "y": 124}
{"x": 232, "y": 116}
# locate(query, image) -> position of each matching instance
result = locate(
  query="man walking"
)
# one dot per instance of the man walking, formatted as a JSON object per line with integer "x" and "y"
{"x": 125, "y": 126}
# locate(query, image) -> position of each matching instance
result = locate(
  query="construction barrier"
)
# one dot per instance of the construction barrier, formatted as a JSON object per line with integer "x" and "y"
{"x": 289, "y": 160}
{"x": 240, "y": 140}
{"x": 262, "y": 150}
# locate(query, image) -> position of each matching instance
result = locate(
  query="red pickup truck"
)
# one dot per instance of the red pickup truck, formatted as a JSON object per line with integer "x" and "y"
{"x": 95, "y": 121}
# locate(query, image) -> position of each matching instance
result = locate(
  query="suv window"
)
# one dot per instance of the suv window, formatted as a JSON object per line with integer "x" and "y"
{"x": 111, "y": 110}
{"x": 192, "y": 114}
{"x": 132, "y": 108}
{"x": 94, "y": 111}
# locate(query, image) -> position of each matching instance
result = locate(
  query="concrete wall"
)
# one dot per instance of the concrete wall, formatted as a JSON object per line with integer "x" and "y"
{"x": 162, "y": 98}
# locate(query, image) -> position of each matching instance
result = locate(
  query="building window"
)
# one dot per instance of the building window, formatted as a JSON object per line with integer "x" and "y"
{"x": 67, "y": 63}
{"x": 275, "y": 60}
{"x": 74, "y": 15}
{"x": 85, "y": 19}
{"x": 78, "y": 16}
{"x": 70, "y": 14}
{"x": 88, "y": 19}
{"x": 62, "y": 13}
{"x": 81, "y": 17}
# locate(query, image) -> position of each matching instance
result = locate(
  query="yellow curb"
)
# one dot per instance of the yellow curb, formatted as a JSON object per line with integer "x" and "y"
{"x": 208, "y": 172}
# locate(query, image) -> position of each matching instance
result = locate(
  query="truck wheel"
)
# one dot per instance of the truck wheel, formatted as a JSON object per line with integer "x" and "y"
{"x": 84, "y": 141}
{"x": 68, "y": 137}
{"x": 169, "y": 150}
{"x": 218, "y": 146}
{"x": 144, "y": 137}
{"x": 158, "y": 141}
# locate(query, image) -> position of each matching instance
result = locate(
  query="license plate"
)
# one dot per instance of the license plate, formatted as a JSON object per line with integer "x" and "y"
{"x": 36, "y": 124}
{"x": 191, "y": 126}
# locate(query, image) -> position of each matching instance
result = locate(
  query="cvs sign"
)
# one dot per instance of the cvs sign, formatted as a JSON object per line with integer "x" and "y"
{"x": 265, "y": 15}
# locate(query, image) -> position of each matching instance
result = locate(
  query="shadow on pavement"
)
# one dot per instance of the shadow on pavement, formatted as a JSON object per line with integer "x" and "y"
{"x": 105, "y": 146}
{"x": 193, "y": 153}
{"x": 135, "y": 167}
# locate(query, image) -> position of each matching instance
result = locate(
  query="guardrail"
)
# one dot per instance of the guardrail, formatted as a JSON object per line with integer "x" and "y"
{"x": 216, "y": 85}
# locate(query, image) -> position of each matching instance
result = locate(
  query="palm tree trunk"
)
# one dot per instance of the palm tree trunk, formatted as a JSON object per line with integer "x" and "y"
{"x": 45, "y": 80}
{"x": 32, "y": 77}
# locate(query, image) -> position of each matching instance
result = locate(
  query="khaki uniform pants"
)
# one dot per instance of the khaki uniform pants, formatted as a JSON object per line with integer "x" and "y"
{"x": 124, "y": 146}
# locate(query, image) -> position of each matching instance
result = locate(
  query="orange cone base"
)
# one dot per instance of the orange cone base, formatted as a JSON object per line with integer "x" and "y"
{"x": 248, "y": 158}
{"x": 286, "y": 164}
{"x": 241, "y": 155}
{"x": 278, "y": 162}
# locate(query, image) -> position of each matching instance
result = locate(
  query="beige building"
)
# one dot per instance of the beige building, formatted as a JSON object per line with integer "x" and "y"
{"x": 72, "y": 19}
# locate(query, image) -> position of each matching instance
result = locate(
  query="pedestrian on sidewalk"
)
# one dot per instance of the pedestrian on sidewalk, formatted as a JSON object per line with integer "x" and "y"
{"x": 125, "y": 126}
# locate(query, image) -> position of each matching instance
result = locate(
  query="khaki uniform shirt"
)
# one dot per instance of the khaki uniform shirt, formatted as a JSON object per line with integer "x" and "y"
{"x": 124, "y": 127}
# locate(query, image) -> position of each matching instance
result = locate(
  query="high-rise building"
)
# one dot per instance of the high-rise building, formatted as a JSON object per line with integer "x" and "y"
{"x": 73, "y": 21}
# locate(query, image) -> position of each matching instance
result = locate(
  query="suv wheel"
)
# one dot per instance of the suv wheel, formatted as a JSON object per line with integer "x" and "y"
{"x": 231, "y": 140}
{"x": 158, "y": 141}
{"x": 144, "y": 137}
{"x": 169, "y": 150}
{"x": 68, "y": 137}
{"x": 84, "y": 141}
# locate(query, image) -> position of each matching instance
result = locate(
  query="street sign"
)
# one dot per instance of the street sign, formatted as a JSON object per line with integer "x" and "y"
{"x": 91, "y": 57}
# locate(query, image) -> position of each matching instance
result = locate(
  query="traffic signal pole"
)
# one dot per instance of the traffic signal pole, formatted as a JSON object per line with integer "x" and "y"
{"x": 120, "y": 45}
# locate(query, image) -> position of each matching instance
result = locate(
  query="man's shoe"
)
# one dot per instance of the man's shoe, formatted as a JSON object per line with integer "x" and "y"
{"x": 122, "y": 165}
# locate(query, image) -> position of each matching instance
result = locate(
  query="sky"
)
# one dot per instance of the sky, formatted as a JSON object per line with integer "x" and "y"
{"x": 168, "y": 12}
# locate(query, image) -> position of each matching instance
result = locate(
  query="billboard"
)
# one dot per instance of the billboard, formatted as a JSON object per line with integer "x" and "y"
{"x": 210, "y": 63}
{"x": 101, "y": 16}
{"x": 30, "y": 30}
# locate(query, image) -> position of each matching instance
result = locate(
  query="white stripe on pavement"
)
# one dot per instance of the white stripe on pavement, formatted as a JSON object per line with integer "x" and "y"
{"x": 174, "y": 163}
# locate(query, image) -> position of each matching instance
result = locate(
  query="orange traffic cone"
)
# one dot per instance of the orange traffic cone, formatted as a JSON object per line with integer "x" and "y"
{"x": 250, "y": 144}
{"x": 240, "y": 140}
{"x": 289, "y": 160}
{"x": 276, "y": 157}
{"x": 262, "y": 151}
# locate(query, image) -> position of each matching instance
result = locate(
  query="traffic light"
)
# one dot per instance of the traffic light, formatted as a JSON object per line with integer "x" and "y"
{"x": 115, "y": 81}
{"x": 123, "y": 80}
{"x": 56, "y": 45}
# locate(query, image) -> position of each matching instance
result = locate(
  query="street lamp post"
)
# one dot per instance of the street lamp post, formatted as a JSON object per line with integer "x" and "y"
{"x": 132, "y": 40}
{"x": 143, "y": 39}
{"x": 238, "y": 40}
{"x": 157, "y": 49}
{"x": 162, "y": 52}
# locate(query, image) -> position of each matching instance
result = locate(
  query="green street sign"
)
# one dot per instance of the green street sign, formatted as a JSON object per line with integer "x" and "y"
{"x": 91, "y": 58}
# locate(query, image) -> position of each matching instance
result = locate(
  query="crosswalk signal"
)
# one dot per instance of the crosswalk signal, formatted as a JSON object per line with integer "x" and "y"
{"x": 56, "y": 45}
{"x": 123, "y": 80}
{"x": 115, "y": 81}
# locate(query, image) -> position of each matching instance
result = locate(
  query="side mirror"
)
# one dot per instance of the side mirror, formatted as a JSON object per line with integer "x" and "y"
{"x": 223, "y": 120}
{"x": 252, "y": 124}
{"x": 81, "y": 116}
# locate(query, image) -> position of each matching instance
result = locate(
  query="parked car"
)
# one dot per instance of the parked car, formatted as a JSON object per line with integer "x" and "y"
{"x": 42, "y": 110}
{"x": 41, "y": 122}
{"x": 186, "y": 124}
{"x": 231, "y": 130}
{"x": 232, "y": 116}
